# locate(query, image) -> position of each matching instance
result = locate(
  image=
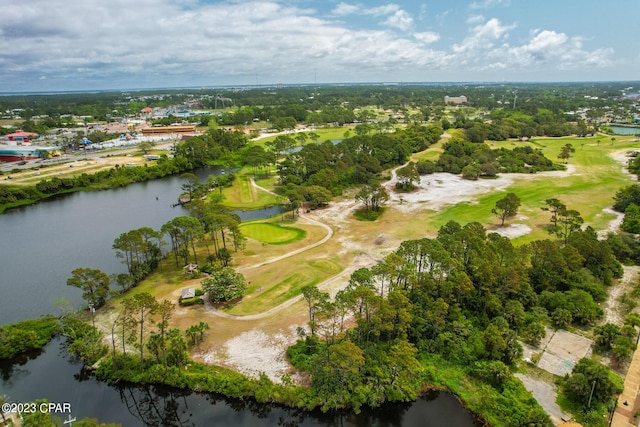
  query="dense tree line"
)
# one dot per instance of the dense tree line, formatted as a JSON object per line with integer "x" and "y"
{"x": 355, "y": 160}
{"x": 540, "y": 109}
{"x": 467, "y": 296}
{"x": 474, "y": 160}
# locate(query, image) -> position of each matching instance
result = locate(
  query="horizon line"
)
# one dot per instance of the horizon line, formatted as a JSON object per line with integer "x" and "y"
{"x": 310, "y": 84}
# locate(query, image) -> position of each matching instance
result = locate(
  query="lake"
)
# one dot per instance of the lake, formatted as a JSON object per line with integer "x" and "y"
{"x": 41, "y": 244}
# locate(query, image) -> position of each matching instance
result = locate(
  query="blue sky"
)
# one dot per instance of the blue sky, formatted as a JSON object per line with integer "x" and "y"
{"x": 53, "y": 45}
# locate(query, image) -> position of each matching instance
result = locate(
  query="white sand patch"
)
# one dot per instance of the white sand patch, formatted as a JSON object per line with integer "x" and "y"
{"x": 254, "y": 352}
{"x": 441, "y": 189}
{"x": 512, "y": 231}
{"x": 614, "y": 224}
{"x": 612, "y": 308}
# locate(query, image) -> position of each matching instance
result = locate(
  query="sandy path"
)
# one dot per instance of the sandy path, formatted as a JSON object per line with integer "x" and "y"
{"x": 611, "y": 307}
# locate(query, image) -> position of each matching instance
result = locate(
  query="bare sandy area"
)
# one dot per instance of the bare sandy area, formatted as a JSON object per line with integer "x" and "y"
{"x": 611, "y": 306}
{"x": 254, "y": 352}
{"x": 438, "y": 190}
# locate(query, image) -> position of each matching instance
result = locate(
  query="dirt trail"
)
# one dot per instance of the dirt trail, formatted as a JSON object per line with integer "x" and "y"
{"x": 611, "y": 307}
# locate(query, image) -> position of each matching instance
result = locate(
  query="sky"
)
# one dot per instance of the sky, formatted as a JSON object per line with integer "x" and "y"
{"x": 66, "y": 45}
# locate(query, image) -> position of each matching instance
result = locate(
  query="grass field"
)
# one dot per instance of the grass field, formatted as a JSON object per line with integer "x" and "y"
{"x": 273, "y": 284}
{"x": 274, "y": 234}
{"x": 589, "y": 188}
{"x": 324, "y": 133}
{"x": 242, "y": 195}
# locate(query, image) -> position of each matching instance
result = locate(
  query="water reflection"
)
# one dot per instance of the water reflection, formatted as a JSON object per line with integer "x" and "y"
{"x": 53, "y": 375}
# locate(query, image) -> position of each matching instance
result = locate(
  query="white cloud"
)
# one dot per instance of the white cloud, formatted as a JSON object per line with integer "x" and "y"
{"x": 387, "y": 9}
{"x": 486, "y": 4}
{"x": 182, "y": 42}
{"x": 475, "y": 19}
{"x": 161, "y": 40}
{"x": 548, "y": 48}
{"x": 427, "y": 37}
{"x": 483, "y": 36}
{"x": 401, "y": 20}
{"x": 396, "y": 17}
{"x": 343, "y": 9}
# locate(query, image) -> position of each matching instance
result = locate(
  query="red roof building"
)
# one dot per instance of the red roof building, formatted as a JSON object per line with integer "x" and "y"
{"x": 21, "y": 136}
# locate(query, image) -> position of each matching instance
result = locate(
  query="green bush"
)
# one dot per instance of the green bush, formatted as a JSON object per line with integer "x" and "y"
{"x": 368, "y": 214}
{"x": 190, "y": 301}
{"x": 26, "y": 336}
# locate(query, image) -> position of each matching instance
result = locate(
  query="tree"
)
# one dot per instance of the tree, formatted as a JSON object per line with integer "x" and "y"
{"x": 191, "y": 184}
{"x": 183, "y": 231}
{"x": 506, "y": 207}
{"x": 225, "y": 284}
{"x": 165, "y": 310}
{"x": 145, "y": 147}
{"x": 339, "y": 372}
{"x": 569, "y": 221}
{"x": 177, "y": 354}
{"x": 565, "y": 152}
{"x": 301, "y": 137}
{"x": 3, "y": 400}
{"x": 554, "y": 206}
{"x": 197, "y": 331}
{"x": 407, "y": 175}
{"x": 140, "y": 251}
{"x": 315, "y": 299}
{"x": 316, "y": 195}
{"x": 373, "y": 195}
{"x": 591, "y": 382}
{"x": 146, "y": 305}
{"x": 94, "y": 284}
{"x": 314, "y": 137}
{"x": 631, "y": 222}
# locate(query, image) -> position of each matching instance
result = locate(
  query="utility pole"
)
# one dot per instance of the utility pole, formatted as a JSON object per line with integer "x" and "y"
{"x": 591, "y": 395}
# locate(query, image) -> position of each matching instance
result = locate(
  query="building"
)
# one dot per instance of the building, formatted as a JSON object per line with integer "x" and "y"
{"x": 21, "y": 137}
{"x": 164, "y": 130}
{"x": 457, "y": 100}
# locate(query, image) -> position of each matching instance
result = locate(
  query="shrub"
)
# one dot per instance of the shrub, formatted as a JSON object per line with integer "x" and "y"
{"x": 190, "y": 301}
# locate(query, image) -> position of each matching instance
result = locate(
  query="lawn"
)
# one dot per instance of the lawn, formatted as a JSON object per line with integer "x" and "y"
{"x": 274, "y": 284}
{"x": 589, "y": 188}
{"x": 274, "y": 234}
{"x": 242, "y": 195}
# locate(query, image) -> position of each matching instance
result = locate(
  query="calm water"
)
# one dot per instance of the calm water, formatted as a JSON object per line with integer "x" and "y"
{"x": 41, "y": 244}
{"x": 622, "y": 130}
{"x": 54, "y": 377}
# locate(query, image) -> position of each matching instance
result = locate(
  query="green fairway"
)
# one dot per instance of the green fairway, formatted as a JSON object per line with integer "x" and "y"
{"x": 273, "y": 234}
{"x": 593, "y": 179}
{"x": 242, "y": 195}
{"x": 279, "y": 284}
